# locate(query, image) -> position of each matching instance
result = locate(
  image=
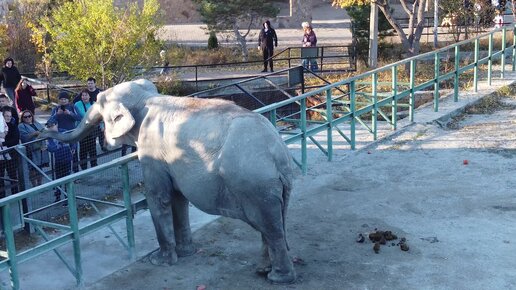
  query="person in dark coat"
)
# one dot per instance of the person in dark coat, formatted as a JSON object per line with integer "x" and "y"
{"x": 267, "y": 40}
{"x": 66, "y": 118}
{"x": 62, "y": 155}
{"x": 23, "y": 96}
{"x": 9, "y": 77}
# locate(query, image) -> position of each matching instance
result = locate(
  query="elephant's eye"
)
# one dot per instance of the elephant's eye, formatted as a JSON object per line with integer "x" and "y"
{"x": 117, "y": 118}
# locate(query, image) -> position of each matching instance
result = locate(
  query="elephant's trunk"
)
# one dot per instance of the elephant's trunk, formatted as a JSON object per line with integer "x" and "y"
{"x": 90, "y": 122}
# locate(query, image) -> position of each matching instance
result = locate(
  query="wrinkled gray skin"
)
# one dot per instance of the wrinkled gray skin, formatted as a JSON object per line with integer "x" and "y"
{"x": 222, "y": 158}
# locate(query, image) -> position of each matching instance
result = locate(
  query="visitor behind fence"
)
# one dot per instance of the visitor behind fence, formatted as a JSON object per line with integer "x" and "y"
{"x": 309, "y": 40}
{"x": 4, "y": 101}
{"x": 23, "y": 96}
{"x": 66, "y": 117}
{"x": 9, "y": 77}
{"x": 267, "y": 40}
{"x": 93, "y": 91}
{"x": 62, "y": 156}
{"x": 9, "y": 160}
{"x": 87, "y": 145}
{"x": 36, "y": 151}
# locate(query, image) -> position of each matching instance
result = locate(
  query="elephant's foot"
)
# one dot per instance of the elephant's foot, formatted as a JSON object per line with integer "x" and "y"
{"x": 277, "y": 277}
{"x": 163, "y": 258}
{"x": 185, "y": 250}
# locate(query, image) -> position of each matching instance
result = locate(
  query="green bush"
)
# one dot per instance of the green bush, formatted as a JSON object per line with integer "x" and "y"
{"x": 213, "y": 42}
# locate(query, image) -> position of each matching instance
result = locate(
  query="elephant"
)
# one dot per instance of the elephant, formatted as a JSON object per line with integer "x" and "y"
{"x": 222, "y": 158}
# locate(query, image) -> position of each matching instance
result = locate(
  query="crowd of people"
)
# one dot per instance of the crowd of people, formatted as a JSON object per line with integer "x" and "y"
{"x": 19, "y": 126}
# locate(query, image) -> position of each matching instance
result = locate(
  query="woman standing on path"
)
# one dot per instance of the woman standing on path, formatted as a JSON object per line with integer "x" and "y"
{"x": 309, "y": 40}
{"x": 266, "y": 41}
{"x": 23, "y": 96}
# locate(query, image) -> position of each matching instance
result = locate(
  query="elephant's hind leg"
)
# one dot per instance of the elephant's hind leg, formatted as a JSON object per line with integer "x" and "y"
{"x": 267, "y": 218}
{"x": 182, "y": 231}
{"x": 159, "y": 200}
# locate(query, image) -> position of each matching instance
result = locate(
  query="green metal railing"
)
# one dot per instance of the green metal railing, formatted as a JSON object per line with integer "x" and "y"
{"x": 367, "y": 97}
{"x": 71, "y": 232}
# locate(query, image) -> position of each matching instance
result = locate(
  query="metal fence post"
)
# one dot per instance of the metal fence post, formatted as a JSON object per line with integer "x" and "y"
{"x": 475, "y": 69}
{"x": 126, "y": 187}
{"x": 329, "y": 119}
{"x": 352, "y": 108}
{"x": 502, "y": 61}
{"x": 490, "y": 59}
{"x": 322, "y": 58}
{"x": 394, "y": 102}
{"x": 74, "y": 226}
{"x": 456, "y": 78}
{"x": 412, "y": 95}
{"x": 513, "y": 48}
{"x": 303, "y": 139}
{"x": 10, "y": 245}
{"x": 374, "y": 113}
{"x": 24, "y": 183}
{"x": 48, "y": 93}
{"x": 437, "y": 70}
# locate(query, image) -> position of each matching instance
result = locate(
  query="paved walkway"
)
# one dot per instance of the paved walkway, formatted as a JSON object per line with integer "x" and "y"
{"x": 331, "y": 25}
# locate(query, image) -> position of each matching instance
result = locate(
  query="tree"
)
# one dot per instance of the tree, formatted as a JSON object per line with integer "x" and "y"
{"x": 96, "y": 38}
{"x": 360, "y": 18}
{"x": 410, "y": 40}
{"x": 228, "y": 15}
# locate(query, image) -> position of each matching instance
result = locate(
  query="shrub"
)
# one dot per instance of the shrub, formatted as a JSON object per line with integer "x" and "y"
{"x": 213, "y": 43}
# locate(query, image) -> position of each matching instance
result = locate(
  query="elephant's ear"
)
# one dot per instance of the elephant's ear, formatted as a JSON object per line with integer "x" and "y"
{"x": 122, "y": 121}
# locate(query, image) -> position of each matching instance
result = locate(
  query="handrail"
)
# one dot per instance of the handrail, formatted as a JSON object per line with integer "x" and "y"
{"x": 373, "y": 107}
{"x": 73, "y": 232}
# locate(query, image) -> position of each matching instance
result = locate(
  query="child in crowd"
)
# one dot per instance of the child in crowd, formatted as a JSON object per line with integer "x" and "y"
{"x": 63, "y": 156}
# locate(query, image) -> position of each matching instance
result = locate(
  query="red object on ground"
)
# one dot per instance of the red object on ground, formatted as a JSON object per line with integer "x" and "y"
{"x": 465, "y": 162}
{"x": 201, "y": 287}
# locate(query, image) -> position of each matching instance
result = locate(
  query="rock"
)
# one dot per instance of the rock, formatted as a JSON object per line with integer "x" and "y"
{"x": 376, "y": 247}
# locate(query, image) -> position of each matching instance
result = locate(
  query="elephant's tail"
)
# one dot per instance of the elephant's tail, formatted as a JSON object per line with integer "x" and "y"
{"x": 287, "y": 188}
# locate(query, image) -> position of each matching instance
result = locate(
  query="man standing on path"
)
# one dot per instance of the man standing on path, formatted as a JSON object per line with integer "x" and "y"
{"x": 267, "y": 40}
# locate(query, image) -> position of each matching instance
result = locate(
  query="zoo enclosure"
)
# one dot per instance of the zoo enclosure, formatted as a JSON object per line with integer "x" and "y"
{"x": 361, "y": 99}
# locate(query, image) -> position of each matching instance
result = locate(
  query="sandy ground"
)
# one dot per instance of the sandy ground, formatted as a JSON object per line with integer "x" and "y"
{"x": 456, "y": 215}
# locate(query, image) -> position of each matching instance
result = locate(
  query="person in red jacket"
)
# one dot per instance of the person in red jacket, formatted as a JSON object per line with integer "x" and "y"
{"x": 23, "y": 96}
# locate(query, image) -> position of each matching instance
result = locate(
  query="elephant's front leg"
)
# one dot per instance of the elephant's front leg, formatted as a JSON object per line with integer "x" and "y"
{"x": 183, "y": 233}
{"x": 159, "y": 201}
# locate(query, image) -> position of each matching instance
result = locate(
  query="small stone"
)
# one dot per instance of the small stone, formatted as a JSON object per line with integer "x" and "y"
{"x": 376, "y": 247}
{"x": 360, "y": 238}
{"x": 404, "y": 247}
